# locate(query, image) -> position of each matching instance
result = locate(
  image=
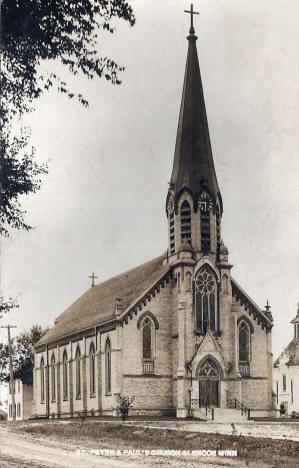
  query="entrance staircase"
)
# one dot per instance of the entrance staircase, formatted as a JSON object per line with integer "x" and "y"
{"x": 235, "y": 412}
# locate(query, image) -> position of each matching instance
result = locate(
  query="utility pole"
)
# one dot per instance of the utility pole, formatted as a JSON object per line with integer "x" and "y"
{"x": 12, "y": 382}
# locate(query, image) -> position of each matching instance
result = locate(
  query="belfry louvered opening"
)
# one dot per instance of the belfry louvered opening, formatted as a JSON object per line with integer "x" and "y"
{"x": 186, "y": 222}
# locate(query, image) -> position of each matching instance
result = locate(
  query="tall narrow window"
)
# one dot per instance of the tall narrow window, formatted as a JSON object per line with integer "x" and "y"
{"x": 284, "y": 382}
{"x": 244, "y": 349}
{"x": 92, "y": 370}
{"x": 10, "y": 410}
{"x": 147, "y": 339}
{"x": 218, "y": 234}
{"x": 78, "y": 373}
{"x": 205, "y": 231}
{"x": 108, "y": 366}
{"x": 53, "y": 379}
{"x": 171, "y": 232}
{"x": 292, "y": 392}
{"x": 42, "y": 380}
{"x": 65, "y": 376}
{"x": 205, "y": 301}
{"x": 186, "y": 222}
{"x": 277, "y": 391}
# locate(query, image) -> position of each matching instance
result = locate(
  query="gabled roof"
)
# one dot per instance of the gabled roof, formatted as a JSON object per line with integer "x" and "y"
{"x": 193, "y": 166}
{"x": 292, "y": 350}
{"x": 98, "y": 304}
{"x": 254, "y": 309}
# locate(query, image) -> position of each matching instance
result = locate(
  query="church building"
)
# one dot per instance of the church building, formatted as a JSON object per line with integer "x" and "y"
{"x": 178, "y": 332}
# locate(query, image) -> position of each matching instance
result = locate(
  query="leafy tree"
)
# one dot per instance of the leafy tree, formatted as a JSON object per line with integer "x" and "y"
{"x": 124, "y": 405}
{"x": 6, "y": 305}
{"x": 32, "y": 32}
{"x": 23, "y": 355}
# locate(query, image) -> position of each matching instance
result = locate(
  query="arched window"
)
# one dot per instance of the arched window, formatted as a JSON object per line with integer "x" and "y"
{"x": 147, "y": 339}
{"x": 205, "y": 205}
{"x": 64, "y": 376}
{"x": 208, "y": 369}
{"x": 78, "y": 373}
{"x": 92, "y": 370}
{"x": 42, "y": 380}
{"x": 108, "y": 366}
{"x": 205, "y": 301}
{"x": 186, "y": 222}
{"x": 244, "y": 348}
{"x": 53, "y": 379}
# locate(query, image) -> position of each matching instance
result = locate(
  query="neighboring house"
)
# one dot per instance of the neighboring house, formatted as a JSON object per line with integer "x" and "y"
{"x": 286, "y": 373}
{"x": 23, "y": 400}
{"x": 177, "y": 332}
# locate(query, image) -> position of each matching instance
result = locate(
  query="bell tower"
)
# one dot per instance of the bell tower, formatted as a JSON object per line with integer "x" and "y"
{"x": 194, "y": 204}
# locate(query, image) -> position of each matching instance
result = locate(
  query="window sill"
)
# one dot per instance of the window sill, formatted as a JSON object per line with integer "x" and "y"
{"x": 92, "y": 396}
{"x": 108, "y": 394}
{"x": 78, "y": 397}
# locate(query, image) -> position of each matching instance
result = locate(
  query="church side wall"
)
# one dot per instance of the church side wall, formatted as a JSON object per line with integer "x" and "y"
{"x": 152, "y": 391}
{"x": 256, "y": 389}
{"x": 109, "y": 399}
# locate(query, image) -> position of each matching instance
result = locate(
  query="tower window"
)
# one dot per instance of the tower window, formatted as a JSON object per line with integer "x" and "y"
{"x": 218, "y": 235}
{"x": 186, "y": 222}
{"x": 171, "y": 232}
{"x": 205, "y": 231}
{"x": 205, "y": 301}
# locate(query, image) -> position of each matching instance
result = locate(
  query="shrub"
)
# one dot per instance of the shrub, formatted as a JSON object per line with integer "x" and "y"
{"x": 124, "y": 404}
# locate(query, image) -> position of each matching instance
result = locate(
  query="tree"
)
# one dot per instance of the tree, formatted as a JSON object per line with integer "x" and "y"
{"x": 32, "y": 32}
{"x": 23, "y": 355}
{"x": 124, "y": 405}
{"x": 6, "y": 305}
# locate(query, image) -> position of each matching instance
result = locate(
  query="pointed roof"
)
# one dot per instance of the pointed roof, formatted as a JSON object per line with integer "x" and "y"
{"x": 193, "y": 166}
{"x": 296, "y": 319}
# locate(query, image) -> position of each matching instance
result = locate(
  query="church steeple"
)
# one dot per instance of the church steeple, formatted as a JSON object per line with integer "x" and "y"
{"x": 194, "y": 204}
{"x": 193, "y": 166}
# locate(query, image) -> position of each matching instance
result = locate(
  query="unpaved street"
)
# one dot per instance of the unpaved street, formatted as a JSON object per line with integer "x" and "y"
{"x": 25, "y": 450}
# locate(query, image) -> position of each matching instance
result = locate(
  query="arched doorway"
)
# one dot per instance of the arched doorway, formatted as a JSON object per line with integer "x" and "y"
{"x": 208, "y": 381}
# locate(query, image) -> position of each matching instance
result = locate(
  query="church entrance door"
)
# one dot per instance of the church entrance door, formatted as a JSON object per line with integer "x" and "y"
{"x": 208, "y": 384}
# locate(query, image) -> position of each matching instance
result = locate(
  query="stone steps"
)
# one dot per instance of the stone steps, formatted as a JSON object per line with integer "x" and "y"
{"x": 222, "y": 415}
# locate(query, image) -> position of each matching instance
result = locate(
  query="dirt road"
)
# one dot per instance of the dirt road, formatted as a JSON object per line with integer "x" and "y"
{"x": 25, "y": 450}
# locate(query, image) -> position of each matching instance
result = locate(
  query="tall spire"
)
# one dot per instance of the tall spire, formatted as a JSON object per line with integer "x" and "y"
{"x": 193, "y": 167}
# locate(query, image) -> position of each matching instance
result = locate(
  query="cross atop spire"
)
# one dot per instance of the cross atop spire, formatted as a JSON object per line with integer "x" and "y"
{"x": 192, "y": 12}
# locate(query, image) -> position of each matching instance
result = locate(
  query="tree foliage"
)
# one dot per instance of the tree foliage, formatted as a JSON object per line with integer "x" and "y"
{"x": 32, "y": 32}
{"x": 23, "y": 355}
{"x": 38, "y": 30}
{"x": 6, "y": 305}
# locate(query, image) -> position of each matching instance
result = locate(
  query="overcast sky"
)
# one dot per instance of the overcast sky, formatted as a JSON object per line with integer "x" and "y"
{"x": 102, "y": 206}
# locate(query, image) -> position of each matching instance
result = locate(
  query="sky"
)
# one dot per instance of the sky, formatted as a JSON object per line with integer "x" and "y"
{"x": 101, "y": 208}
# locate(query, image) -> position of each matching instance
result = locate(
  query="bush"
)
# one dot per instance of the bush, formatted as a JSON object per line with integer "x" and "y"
{"x": 124, "y": 404}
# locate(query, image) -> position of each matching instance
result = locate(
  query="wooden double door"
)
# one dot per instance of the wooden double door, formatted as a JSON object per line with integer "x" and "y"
{"x": 208, "y": 392}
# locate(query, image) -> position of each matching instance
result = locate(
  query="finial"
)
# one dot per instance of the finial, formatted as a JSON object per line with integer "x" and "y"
{"x": 267, "y": 307}
{"x": 92, "y": 277}
{"x": 192, "y": 12}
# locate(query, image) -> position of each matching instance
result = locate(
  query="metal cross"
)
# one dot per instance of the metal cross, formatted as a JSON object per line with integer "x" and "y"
{"x": 192, "y": 12}
{"x": 92, "y": 277}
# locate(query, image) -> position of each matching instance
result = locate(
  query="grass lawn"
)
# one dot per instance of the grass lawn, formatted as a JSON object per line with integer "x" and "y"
{"x": 252, "y": 451}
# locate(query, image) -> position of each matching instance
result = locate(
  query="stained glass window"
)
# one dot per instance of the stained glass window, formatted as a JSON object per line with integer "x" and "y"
{"x": 147, "y": 339}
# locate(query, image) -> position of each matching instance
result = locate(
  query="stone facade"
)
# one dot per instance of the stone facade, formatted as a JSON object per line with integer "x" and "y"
{"x": 178, "y": 332}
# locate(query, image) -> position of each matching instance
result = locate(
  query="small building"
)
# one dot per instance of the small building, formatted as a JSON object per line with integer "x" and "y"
{"x": 286, "y": 373}
{"x": 23, "y": 400}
